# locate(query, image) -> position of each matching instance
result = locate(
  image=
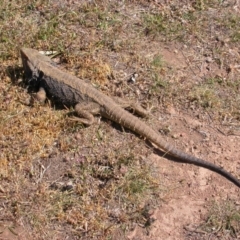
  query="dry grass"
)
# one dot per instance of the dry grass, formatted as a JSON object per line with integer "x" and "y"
{"x": 61, "y": 180}
{"x": 222, "y": 221}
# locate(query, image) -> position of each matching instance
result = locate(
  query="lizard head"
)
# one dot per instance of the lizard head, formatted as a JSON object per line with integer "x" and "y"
{"x": 31, "y": 60}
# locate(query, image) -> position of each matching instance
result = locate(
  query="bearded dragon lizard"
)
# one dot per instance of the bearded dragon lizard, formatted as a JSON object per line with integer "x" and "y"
{"x": 41, "y": 71}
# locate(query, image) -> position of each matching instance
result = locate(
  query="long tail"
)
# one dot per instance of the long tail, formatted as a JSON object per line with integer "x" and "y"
{"x": 133, "y": 123}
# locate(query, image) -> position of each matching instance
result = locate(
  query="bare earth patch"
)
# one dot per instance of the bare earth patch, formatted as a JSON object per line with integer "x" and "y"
{"x": 191, "y": 189}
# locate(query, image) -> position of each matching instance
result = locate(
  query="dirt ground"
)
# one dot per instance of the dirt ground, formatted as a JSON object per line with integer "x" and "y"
{"x": 192, "y": 188}
{"x": 195, "y": 106}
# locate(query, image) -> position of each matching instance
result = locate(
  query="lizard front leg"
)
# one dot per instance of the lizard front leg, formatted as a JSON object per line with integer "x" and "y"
{"x": 40, "y": 96}
{"x": 86, "y": 112}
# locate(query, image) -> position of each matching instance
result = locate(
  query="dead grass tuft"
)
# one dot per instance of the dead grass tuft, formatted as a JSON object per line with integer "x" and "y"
{"x": 223, "y": 220}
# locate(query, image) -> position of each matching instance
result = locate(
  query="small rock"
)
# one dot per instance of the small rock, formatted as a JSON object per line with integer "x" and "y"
{"x": 209, "y": 60}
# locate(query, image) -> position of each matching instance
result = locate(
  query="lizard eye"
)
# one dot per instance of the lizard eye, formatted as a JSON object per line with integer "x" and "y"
{"x": 40, "y": 75}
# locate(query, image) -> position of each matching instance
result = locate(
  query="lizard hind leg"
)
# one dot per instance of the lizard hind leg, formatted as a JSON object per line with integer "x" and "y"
{"x": 85, "y": 112}
{"x": 135, "y": 107}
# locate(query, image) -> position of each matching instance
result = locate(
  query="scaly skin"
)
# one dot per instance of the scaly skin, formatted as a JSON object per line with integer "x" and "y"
{"x": 87, "y": 101}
